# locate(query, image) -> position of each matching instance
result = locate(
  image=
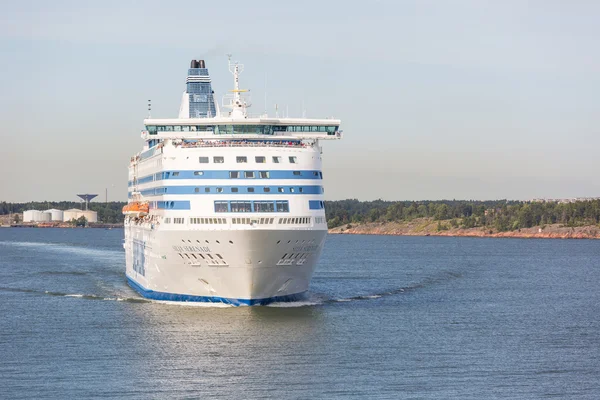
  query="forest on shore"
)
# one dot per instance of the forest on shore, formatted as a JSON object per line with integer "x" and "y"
{"x": 501, "y": 215}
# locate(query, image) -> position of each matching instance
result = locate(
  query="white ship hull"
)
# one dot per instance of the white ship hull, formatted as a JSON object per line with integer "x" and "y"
{"x": 248, "y": 267}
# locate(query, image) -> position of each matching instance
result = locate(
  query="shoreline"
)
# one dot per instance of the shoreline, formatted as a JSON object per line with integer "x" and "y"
{"x": 426, "y": 227}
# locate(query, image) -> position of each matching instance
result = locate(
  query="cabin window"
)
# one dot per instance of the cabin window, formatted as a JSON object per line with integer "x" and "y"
{"x": 292, "y": 159}
{"x": 280, "y": 190}
{"x": 260, "y": 159}
{"x": 234, "y": 174}
{"x": 300, "y": 189}
{"x": 263, "y": 174}
{"x": 297, "y": 173}
{"x": 248, "y": 174}
{"x": 219, "y": 190}
{"x": 276, "y": 159}
{"x": 206, "y": 190}
{"x": 218, "y": 159}
{"x": 241, "y": 159}
{"x": 198, "y": 173}
{"x": 250, "y": 190}
{"x": 203, "y": 160}
{"x": 264, "y": 206}
{"x": 266, "y": 189}
{"x": 197, "y": 190}
{"x": 282, "y": 206}
{"x": 234, "y": 190}
{"x": 220, "y": 206}
{"x": 176, "y": 173}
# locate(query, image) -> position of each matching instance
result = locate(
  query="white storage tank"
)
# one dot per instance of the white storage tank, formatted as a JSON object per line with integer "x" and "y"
{"x": 91, "y": 216}
{"x": 55, "y": 215}
{"x": 68, "y": 215}
{"x": 29, "y": 215}
{"x": 41, "y": 216}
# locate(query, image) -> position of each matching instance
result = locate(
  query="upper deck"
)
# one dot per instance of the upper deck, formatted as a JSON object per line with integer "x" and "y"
{"x": 244, "y": 128}
{"x": 200, "y": 117}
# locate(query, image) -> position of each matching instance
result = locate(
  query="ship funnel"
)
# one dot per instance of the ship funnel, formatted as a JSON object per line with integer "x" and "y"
{"x": 198, "y": 99}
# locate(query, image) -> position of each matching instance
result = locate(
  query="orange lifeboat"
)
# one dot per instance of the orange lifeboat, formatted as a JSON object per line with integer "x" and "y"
{"x": 137, "y": 208}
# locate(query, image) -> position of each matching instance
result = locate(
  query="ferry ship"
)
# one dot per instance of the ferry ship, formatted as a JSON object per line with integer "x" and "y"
{"x": 225, "y": 206}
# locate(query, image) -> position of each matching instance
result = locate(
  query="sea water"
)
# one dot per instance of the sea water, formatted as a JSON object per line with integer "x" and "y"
{"x": 385, "y": 318}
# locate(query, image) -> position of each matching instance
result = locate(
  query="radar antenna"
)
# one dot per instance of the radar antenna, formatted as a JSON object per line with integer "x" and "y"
{"x": 237, "y": 103}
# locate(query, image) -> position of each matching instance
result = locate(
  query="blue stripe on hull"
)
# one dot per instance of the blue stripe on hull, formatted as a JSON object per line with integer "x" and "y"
{"x": 151, "y": 294}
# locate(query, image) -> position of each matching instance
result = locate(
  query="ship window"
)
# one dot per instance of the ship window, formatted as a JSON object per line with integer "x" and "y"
{"x": 248, "y": 174}
{"x": 250, "y": 190}
{"x": 178, "y": 220}
{"x": 276, "y": 159}
{"x": 316, "y": 173}
{"x": 218, "y": 160}
{"x": 206, "y": 190}
{"x": 282, "y": 206}
{"x": 221, "y": 206}
{"x": 297, "y": 173}
{"x": 280, "y": 189}
{"x": 260, "y": 159}
{"x": 241, "y": 206}
{"x": 197, "y": 190}
{"x": 241, "y": 159}
{"x": 219, "y": 190}
{"x": 291, "y": 190}
{"x": 292, "y": 159}
{"x": 300, "y": 189}
{"x": 264, "y": 206}
{"x": 234, "y": 174}
{"x": 203, "y": 160}
{"x": 198, "y": 173}
{"x": 234, "y": 190}
{"x": 320, "y": 175}
{"x": 263, "y": 174}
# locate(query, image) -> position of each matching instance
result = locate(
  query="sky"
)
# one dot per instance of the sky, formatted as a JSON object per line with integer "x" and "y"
{"x": 440, "y": 99}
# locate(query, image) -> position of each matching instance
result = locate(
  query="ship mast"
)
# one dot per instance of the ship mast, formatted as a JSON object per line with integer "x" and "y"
{"x": 237, "y": 104}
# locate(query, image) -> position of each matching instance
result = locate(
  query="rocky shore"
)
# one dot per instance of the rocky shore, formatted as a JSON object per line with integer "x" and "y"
{"x": 429, "y": 227}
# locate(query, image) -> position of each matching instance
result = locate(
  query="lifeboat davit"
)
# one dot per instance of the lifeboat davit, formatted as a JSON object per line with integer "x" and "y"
{"x": 137, "y": 208}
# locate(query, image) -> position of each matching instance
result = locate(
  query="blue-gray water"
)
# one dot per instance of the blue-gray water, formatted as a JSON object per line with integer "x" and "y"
{"x": 387, "y": 318}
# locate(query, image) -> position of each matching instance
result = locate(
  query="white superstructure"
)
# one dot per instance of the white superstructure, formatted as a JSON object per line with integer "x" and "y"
{"x": 225, "y": 207}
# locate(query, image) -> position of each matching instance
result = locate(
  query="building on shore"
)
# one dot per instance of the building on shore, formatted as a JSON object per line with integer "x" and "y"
{"x": 54, "y": 215}
{"x": 36, "y": 216}
{"x": 74, "y": 213}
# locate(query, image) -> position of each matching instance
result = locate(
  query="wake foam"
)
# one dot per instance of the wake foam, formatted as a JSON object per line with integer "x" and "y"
{"x": 68, "y": 248}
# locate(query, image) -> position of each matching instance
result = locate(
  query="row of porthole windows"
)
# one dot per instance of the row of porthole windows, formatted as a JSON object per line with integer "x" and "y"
{"x": 252, "y": 206}
{"x": 232, "y": 175}
{"x": 244, "y": 159}
{"x": 209, "y": 189}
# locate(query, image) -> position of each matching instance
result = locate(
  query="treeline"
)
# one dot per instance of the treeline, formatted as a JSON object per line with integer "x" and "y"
{"x": 502, "y": 215}
{"x": 110, "y": 212}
